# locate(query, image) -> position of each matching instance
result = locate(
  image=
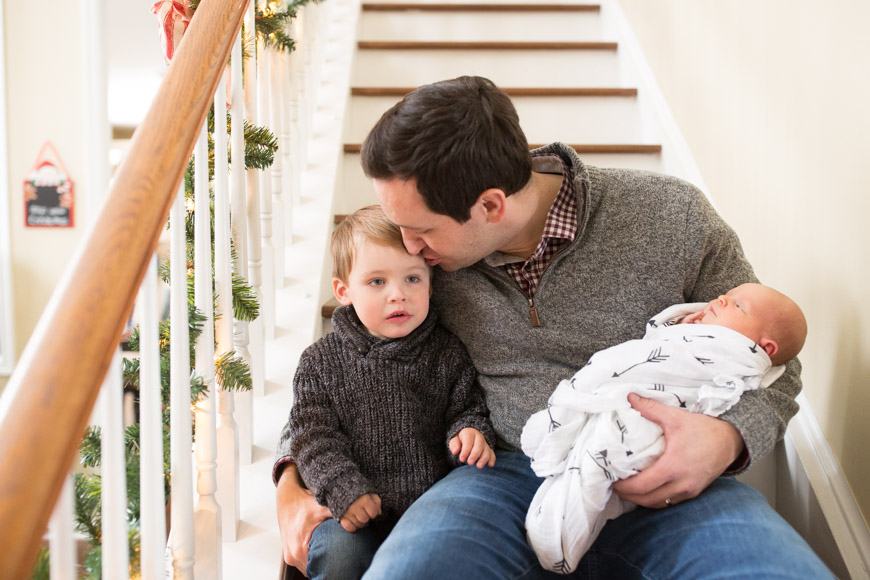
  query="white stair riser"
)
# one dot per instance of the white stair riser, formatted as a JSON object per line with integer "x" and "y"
{"x": 355, "y": 189}
{"x": 507, "y": 68}
{"x": 481, "y": 26}
{"x": 544, "y": 119}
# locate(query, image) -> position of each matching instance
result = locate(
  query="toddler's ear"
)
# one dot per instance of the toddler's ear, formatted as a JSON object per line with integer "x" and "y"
{"x": 340, "y": 290}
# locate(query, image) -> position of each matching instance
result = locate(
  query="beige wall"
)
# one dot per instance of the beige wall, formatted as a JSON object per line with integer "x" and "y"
{"x": 773, "y": 98}
{"x": 44, "y": 103}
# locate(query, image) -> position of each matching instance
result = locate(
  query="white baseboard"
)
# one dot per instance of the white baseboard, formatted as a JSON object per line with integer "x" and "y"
{"x": 813, "y": 494}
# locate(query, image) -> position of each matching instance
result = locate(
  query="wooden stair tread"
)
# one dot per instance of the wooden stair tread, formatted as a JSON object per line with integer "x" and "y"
{"x": 478, "y": 7}
{"x": 477, "y": 45}
{"x": 328, "y": 308}
{"x": 579, "y": 148}
{"x": 511, "y": 91}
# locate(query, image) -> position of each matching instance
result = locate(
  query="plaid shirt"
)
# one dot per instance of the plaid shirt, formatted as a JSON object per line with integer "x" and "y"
{"x": 559, "y": 231}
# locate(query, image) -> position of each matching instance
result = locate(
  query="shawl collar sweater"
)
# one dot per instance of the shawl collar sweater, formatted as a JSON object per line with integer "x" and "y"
{"x": 375, "y": 416}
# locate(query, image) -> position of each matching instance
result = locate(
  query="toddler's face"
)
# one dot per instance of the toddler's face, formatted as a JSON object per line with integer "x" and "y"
{"x": 389, "y": 290}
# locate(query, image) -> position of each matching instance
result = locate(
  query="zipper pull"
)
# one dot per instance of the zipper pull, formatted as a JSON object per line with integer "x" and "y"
{"x": 533, "y": 314}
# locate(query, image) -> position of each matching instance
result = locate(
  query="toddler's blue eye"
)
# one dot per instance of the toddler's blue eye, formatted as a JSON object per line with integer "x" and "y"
{"x": 413, "y": 279}
{"x": 377, "y": 282}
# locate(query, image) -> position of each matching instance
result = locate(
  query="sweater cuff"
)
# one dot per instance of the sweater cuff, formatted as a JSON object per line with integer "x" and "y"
{"x": 279, "y": 467}
{"x": 759, "y": 432}
{"x": 343, "y": 491}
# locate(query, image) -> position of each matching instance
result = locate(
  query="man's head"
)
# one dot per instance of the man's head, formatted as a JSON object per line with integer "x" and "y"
{"x": 455, "y": 139}
{"x": 388, "y": 287}
{"x": 760, "y": 313}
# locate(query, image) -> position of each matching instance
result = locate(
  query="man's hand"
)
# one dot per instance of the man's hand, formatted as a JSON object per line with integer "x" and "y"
{"x": 298, "y": 515}
{"x": 698, "y": 449}
{"x": 471, "y": 447}
{"x": 363, "y": 509}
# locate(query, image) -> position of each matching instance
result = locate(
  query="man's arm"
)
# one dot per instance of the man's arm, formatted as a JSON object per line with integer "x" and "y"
{"x": 298, "y": 515}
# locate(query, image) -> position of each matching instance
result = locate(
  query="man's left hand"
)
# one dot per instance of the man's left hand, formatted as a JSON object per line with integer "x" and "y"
{"x": 698, "y": 449}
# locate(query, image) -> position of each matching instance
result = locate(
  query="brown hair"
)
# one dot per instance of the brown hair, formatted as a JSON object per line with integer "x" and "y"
{"x": 369, "y": 223}
{"x": 456, "y": 138}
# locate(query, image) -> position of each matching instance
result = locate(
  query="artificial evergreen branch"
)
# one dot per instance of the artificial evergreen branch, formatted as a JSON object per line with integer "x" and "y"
{"x": 246, "y": 303}
{"x": 233, "y": 373}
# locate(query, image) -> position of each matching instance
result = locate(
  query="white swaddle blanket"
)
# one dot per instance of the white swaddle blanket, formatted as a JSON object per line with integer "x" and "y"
{"x": 589, "y": 436}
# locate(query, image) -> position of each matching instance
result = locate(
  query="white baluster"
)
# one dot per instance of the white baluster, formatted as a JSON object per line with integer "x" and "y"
{"x": 228, "y": 436}
{"x": 255, "y": 249}
{"x": 152, "y": 498}
{"x": 239, "y": 221}
{"x": 207, "y": 513}
{"x": 116, "y": 559}
{"x": 269, "y": 285}
{"x": 302, "y": 90}
{"x": 61, "y": 545}
{"x": 292, "y": 182}
{"x": 180, "y": 426}
{"x": 282, "y": 229}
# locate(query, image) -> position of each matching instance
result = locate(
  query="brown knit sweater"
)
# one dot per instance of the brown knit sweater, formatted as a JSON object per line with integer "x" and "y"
{"x": 375, "y": 416}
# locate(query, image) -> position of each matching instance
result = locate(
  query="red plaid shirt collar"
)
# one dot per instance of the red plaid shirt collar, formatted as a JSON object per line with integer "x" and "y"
{"x": 560, "y": 229}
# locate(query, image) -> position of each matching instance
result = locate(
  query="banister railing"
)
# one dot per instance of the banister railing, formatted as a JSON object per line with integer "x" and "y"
{"x": 50, "y": 396}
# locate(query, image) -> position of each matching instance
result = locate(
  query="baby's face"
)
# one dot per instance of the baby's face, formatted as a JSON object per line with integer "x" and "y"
{"x": 743, "y": 309}
{"x": 389, "y": 289}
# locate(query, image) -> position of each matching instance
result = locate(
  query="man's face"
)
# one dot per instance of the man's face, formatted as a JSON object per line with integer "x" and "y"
{"x": 438, "y": 238}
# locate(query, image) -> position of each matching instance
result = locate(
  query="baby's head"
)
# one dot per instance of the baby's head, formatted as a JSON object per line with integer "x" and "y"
{"x": 371, "y": 269}
{"x": 760, "y": 313}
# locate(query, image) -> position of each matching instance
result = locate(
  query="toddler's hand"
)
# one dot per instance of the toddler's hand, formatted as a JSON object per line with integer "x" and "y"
{"x": 361, "y": 511}
{"x": 471, "y": 447}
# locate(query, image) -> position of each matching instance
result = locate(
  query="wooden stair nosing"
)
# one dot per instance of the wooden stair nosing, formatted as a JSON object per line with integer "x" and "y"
{"x": 478, "y": 7}
{"x": 510, "y": 91}
{"x": 481, "y": 45}
{"x": 328, "y": 308}
{"x": 579, "y": 148}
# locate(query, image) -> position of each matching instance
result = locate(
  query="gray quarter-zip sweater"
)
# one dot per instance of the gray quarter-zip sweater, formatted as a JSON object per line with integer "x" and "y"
{"x": 644, "y": 241}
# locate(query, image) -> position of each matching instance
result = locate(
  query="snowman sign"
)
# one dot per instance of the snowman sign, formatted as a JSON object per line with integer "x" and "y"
{"x": 48, "y": 192}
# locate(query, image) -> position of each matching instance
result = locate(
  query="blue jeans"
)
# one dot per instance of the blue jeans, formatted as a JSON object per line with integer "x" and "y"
{"x": 471, "y": 525}
{"x": 336, "y": 554}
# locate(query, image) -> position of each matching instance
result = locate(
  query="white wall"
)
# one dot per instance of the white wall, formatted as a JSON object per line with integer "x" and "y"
{"x": 773, "y": 97}
{"x": 44, "y": 103}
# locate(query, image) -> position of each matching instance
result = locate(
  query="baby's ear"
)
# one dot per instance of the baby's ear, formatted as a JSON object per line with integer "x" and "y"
{"x": 769, "y": 346}
{"x": 340, "y": 290}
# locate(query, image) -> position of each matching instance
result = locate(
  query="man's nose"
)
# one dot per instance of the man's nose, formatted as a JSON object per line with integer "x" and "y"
{"x": 412, "y": 242}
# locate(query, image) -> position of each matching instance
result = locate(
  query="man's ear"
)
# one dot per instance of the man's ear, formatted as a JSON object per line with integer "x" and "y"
{"x": 769, "y": 346}
{"x": 492, "y": 203}
{"x": 340, "y": 290}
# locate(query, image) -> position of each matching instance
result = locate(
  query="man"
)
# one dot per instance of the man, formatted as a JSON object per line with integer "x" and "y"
{"x": 544, "y": 261}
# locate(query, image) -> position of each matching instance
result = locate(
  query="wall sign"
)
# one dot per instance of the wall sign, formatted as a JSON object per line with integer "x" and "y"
{"x": 48, "y": 192}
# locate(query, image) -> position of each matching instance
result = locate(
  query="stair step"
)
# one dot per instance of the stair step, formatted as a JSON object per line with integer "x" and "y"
{"x": 511, "y": 91}
{"x": 580, "y": 149}
{"x": 355, "y": 189}
{"x": 477, "y": 45}
{"x": 506, "y": 68}
{"x": 544, "y": 117}
{"x": 478, "y": 7}
{"x": 328, "y": 308}
{"x": 477, "y": 22}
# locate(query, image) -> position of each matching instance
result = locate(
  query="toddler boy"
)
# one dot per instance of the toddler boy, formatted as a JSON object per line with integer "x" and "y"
{"x": 385, "y": 405}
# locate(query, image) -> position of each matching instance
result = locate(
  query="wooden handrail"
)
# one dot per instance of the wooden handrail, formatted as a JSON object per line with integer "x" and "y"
{"x": 52, "y": 392}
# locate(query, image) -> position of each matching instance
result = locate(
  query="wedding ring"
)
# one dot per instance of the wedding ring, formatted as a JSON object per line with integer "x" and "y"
{"x": 668, "y": 502}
